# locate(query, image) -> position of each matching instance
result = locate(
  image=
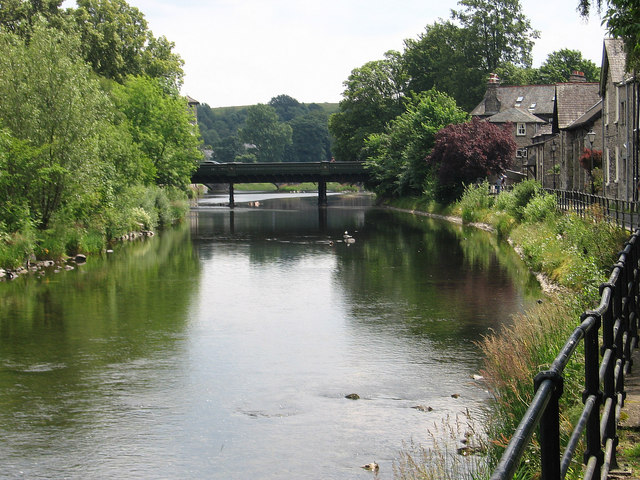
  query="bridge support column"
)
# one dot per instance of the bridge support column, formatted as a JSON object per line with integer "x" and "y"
{"x": 322, "y": 194}
{"x": 231, "y": 199}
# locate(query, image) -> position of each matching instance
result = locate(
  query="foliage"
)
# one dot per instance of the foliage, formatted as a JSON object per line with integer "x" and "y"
{"x": 117, "y": 43}
{"x": 465, "y": 152}
{"x": 501, "y": 31}
{"x": 309, "y": 138}
{"x": 263, "y": 129}
{"x": 475, "y": 202}
{"x": 559, "y": 66}
{"x": 162, "y": 127}
{"x": 373, "y": 96}
{"x": 590, "y": 159}
{"x": 396, "y": 158}
{"x": 55, "y": 109}
{"x": 440, "y": 58}
{"x": 622, "y": 18}
{"x": 540, "y": 208}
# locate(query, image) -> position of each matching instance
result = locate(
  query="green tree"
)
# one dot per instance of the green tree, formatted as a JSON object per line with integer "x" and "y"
{"x": 18, "y": 16}
{"x": 263, "y": 129}
{"x": 113, "y": 36}
{"x": 374, "y": 95}
{"x": 501, "y": 32}
{"x": 287, "y": 107}
{"x": 397, "y": 157}
{"x": 444, "y": 58}
{"x": 510, "y": 74}
{"x": 56, "y": 109}
{"x": 160, "y": 62}
{"x": 310, "y": 138}
{"x": 559, "y": 65}
{"x": 162, "y": 126}
{"x": 622, "y": 18}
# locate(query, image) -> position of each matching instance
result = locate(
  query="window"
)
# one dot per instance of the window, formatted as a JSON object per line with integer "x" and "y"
{"x": 521, "y": 129}
{"x": 532, "y": 106}
{"x": 623, "y": 112}
{"x": 521, "y": 153}
{"x": 617, "y": 166}
{"x": 607, "y": 166}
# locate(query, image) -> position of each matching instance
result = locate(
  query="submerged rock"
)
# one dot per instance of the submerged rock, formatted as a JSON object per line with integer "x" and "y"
{"x": 352, "y": 396}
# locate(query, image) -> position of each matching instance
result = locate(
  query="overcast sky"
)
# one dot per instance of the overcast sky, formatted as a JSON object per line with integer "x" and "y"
{"x": 243, "y": 52}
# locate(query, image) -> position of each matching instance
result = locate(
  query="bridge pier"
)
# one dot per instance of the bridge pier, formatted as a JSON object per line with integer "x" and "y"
{"x": 322, "y": 193}
{"x": 232, "y": 203}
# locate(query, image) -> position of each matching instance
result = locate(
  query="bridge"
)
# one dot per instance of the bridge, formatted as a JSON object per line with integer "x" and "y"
{"x": 285, "y": 172}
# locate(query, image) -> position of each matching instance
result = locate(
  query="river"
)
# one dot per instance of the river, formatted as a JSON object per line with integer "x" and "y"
{"x": 224, "y": 348}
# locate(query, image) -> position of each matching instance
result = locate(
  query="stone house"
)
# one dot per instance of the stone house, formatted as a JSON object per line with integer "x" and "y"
{"x": 528, "y": 108}
{"x": 545, "y": 131}
{"x": 619, "y": 131}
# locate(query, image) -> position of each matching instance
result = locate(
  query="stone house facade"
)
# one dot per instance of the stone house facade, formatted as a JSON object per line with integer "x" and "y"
{"x": 619, "y": 131}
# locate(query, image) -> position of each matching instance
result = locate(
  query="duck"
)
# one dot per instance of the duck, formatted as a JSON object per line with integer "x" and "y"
{"x": 373, "y": 466}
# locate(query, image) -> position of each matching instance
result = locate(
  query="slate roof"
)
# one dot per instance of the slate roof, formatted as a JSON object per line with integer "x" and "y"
{"x": 613, "y": 61}
{"x": 588, "y": 117}
{"x": 515, "y": 115}
{"x": 573, "y": 100}
{"x": 537, "y": 99}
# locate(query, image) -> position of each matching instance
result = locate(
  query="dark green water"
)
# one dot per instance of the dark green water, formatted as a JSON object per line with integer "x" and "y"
{"x": 224, "y": 349}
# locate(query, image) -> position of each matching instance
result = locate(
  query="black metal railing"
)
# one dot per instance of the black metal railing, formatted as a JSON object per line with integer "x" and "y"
{"x": 610, "y": 335}
{"x": 623, "y": 213}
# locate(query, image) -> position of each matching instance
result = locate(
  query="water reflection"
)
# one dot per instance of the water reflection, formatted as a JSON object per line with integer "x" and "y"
{"x": 224, "y": 349}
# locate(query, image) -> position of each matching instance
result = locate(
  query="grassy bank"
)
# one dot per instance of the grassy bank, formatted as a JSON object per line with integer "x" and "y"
{"x": 575, "y": 256}
{"x": 135, "y": 209}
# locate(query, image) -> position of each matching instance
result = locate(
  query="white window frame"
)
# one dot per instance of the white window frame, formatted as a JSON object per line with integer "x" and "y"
{"x": 521, "y": 129}
{"x": 617, "y": 175}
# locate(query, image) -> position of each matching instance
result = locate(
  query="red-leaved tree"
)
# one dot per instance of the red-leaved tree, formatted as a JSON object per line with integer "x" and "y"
{"x": 465, "y": 152}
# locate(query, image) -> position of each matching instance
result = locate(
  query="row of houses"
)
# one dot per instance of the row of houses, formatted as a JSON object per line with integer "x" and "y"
{"x": 578, "y": 135}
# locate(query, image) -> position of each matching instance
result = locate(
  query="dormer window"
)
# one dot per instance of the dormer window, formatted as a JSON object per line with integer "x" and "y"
{"x": 519, "y": 101}
{"x": 532, "y": 106}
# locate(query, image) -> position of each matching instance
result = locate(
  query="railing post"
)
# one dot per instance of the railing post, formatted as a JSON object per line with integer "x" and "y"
{"x": 592, "y": 388}
{"x": 550, "y": 427}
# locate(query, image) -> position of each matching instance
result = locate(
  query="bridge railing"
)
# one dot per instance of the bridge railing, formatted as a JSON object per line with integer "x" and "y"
{"x": 610, "y": 335}
{"x": 621, "y": 212}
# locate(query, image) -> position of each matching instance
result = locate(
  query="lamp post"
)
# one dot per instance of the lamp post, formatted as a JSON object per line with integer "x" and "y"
{"x": 553, "y": 157}
{"x": 591, "y": 136}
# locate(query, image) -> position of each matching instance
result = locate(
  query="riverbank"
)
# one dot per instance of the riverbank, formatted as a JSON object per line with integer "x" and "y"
{"x": 571, "y": 256}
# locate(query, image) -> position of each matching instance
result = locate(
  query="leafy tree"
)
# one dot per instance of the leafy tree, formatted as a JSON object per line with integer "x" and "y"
{"x": 444, "y": 58}
{"x": 113, "y": 36}
{"x": 263, "y": 129}
{"x": 373, "y": 96}
{"x": 162, "y": 126}
{"x": 116, "y": 42}
{"x": 160, "y": 62}
{"x": 54, "y": 109}
{"x": 227, "y": 149}
{"x": 510, "y": 74}
{"x": 559, "y": 65}
{"x": 621, "y": 17}
{"x": 465, "y": 152}
{"x": 287, "y": 107}
{"x": 18, "y": 16}
{"x": 501, "y": 31}
{"x": 396, "y": 158}
{"x": 310, "y": 138}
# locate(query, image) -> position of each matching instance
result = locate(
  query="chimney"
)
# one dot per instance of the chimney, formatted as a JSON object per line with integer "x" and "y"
{"x": 491, "y": 102}
{"x": 577, "y": 77}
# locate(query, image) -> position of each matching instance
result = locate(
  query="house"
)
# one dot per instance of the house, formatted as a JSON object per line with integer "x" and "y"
{"x": 541, "y": 116}
{"x": 619, "y": 92}
{"x": 528, "y": 108}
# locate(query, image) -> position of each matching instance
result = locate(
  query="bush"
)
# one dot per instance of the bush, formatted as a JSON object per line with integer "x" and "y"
{"x": 540, "y": 208}
{"x": 522, "y": 193}
{"x": 475, "y": 202}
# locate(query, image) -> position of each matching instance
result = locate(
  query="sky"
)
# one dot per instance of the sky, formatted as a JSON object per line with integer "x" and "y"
{"x": 244, "y": 52}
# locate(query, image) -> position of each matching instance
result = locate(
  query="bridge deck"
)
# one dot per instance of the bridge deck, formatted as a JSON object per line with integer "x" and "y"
{"x": 286, "y": 172}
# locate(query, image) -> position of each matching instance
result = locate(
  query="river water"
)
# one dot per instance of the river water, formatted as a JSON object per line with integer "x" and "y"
{"x": 224, "y": 349}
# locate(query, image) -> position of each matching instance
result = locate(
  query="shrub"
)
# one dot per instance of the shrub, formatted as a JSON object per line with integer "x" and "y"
{"x": 540, "y": 208}
{"x": 475, "y": 202}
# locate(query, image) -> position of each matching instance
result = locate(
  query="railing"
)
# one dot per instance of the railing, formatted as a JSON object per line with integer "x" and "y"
{"x": 610, "y": 331}
{"x": 623, "y": 213}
